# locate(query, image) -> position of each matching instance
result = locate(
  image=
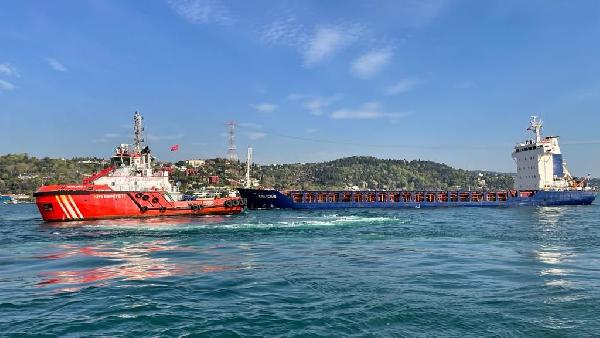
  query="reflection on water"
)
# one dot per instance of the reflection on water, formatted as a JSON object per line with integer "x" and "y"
{"x": 131, "y": 261}
{"x": 553, "y": 255}
{"x": 549, "y": 218}
{"x": 557, "y": 257}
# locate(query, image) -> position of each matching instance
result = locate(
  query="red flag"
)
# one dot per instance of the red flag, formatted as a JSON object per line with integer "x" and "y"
{"x": 175, "y": 147}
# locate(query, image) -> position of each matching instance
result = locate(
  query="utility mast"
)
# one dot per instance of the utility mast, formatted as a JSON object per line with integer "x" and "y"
{"x": 248, "y": 166}
{"x": 138, "y": 132}
{"x": 232, "y": 151}
{"x": 536, "y": 127}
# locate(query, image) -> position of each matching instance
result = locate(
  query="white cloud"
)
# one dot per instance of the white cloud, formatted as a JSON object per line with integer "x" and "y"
{"x": 112, "y": 135}
{"x": 311, "y": 131}
{"x": 328, "y": 40}
{"x": 264, "y": 107}
{"x": 7, "y": 69}
{"x": 56, "y": 65}
{"x": 256, "y": 135}
{"x": 401, "y": 86}
{"x": 323, "y": 45}
{"x": 202, "y": 11}
{"x": 6, "y": 86}
{"x": 317, "y": 46}
{"x": 316, "y": 105}
{"x": 286, "y": 32}
{"x": 369, "y": 110}
{"x": 371, "y": 63}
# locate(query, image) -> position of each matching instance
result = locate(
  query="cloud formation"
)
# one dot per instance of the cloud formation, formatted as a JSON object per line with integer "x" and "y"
{"x": 56, "y": 65}
{"x": 371, "y": 63}
{"x": 369, "y": 110}
{"x": 286, "y": 32}
{"x": 316, "y": 46}
{"x": 264, "y": 107}
{"x": 326, "y": 41}
{"x": 317, "y": 105}
{"x": 6, "y": 86}
{"x": 202, "y": 11}
{"x": 7, "y": 69}
{"x": 401, "y": 87}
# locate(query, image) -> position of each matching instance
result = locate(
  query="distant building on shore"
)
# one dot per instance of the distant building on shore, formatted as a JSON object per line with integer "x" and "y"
{"x": 195, "y": 163}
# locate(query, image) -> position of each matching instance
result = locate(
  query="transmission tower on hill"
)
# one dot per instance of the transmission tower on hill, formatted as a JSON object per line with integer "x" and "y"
{"x": 232, "y": 150}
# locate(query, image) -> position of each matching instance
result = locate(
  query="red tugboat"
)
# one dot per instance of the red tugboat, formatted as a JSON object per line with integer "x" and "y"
{"x": 128, "y": 188}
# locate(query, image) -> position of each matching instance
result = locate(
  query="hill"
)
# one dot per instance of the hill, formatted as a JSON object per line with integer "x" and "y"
{"x": 373, "y": 173}
{"x": 21, "y": 173}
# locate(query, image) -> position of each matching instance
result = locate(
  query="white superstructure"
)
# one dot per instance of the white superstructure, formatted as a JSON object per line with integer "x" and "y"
{"x": 132, "y": 171}
{"x": 540, "y": 165}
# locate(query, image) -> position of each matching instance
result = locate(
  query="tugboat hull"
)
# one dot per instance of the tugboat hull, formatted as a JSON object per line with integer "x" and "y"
{"x": 91, "y": 202}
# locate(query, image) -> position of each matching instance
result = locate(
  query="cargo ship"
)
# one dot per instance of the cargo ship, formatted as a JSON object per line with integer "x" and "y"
{"x": 129, "y": 187}
{"x": 542, "y": 179}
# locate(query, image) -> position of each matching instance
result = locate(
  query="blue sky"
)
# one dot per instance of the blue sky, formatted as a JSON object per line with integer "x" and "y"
{"x": 449, "y": 81}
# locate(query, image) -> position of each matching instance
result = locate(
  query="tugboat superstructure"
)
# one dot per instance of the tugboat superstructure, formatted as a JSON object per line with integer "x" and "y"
{"x": 129, "y": 187}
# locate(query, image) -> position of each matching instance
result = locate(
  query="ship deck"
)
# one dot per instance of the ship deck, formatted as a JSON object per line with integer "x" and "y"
{"x": 268, "y": 199}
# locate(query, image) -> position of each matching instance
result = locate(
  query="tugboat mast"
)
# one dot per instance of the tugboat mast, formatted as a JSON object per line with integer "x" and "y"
{"x": 138, "y": 130}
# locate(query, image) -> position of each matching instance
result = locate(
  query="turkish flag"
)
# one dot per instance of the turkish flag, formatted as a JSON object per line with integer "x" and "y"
{"x": 175, "y": 147}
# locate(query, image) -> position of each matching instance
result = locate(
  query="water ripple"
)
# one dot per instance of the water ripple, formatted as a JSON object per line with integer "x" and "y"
{"x": 452, "y": 272}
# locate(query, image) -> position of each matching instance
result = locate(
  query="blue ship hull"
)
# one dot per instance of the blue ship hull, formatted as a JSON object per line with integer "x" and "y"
{"x": 273, "y": 199}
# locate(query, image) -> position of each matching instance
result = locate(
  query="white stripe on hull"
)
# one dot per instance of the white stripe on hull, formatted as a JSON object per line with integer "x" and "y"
{"x": 75, "y": 207}
{"x": 69, "y": 207}
{"x": 62, "y": 206}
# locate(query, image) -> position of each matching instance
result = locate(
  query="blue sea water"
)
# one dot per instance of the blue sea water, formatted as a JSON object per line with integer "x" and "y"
{"x": 444, "y": 272}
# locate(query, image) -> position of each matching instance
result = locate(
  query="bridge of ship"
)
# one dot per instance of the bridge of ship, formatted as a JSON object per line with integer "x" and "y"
{"x": 404, "y": 196}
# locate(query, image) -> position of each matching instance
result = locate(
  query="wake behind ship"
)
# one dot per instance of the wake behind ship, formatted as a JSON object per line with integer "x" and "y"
{"x": 542, "y": 180}
{"x": 130, "y": 187}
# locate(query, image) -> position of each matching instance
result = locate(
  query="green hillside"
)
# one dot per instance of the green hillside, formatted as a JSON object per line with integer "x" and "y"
{"x": 20, "y": 173}
{"x": 373, "y": 173}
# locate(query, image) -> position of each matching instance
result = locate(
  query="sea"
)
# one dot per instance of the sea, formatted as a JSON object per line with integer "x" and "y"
{"x": 461, "y": 272}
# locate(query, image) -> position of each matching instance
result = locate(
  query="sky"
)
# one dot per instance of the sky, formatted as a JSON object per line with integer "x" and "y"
{"x": 447, "y": 81}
